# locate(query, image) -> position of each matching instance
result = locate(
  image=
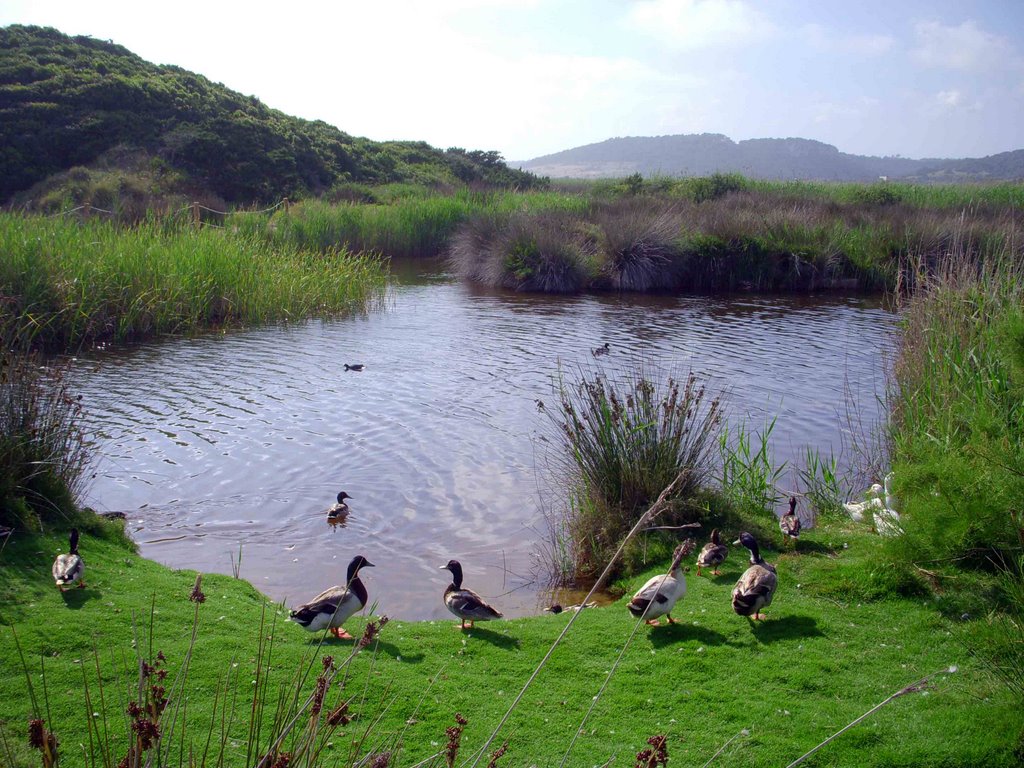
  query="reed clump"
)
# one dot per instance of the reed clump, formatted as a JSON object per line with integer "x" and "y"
{"x": 43, "y": 452}
{"x": 624, "y": 442}
{"x": 66, "y": 283}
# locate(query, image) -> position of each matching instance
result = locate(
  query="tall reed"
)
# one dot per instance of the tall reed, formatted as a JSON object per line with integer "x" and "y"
{"x": 68, "y": 283}
{"x": 43, "y": 452}
{"x": 624, "y": 442}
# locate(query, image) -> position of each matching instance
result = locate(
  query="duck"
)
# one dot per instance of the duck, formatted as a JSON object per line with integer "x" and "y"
{"x": 857, "y": 509}
{"x": 604, "y": 349}
{"x": 354, "y": 367}
{"x": 789, "y": 523}
{"x": 660, "y": 594}
{"x": 337, "y": 512}
{"x": 69, "y": 569}
{"x": 713, "y": 553}
{"x": 557, "y": 608}
{"x": 756, "y": 587}
{"x": 466, "y": 604}
{"x": 334, "y": 606}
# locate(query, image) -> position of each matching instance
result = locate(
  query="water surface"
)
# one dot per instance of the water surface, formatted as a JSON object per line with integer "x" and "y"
{"x": 239, "y": 441}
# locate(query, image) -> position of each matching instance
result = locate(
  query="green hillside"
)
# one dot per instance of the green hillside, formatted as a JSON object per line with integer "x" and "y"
{"x": 67, "y": 101}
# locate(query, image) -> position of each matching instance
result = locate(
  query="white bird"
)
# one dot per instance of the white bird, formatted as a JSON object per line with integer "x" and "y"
{"x": 69, "y": 569}
{"x": 857, "y": 509}
{"x": 660, "y": 594}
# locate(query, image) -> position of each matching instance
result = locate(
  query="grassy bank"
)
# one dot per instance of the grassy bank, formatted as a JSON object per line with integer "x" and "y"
{"x": 957, "y": 446}
{"x": 839, "y": 639}
{"x": 67, "y": 282}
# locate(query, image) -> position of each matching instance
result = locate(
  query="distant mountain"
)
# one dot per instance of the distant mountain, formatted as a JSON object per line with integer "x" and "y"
{"x": 70, "y": 101}
{"x": 805, "y": 159}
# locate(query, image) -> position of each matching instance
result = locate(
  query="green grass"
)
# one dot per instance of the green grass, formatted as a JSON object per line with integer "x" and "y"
{"x": 69, "y": 282}
{"x": 410, "y": 223}
{"x": 830, "y": 650}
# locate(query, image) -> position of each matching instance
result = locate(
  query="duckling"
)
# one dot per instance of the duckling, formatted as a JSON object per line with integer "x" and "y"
{"x": 756, "y": 586}
{"x": 713, "y": 554}
{"x": 337, "y": 513}
{"x": 332, "y": 607}
{"x": 789, "y": 523}
{"x": 355, "y": 367}
{"x": 69, "y": 569}
{"x": 604, "y": 349}
{"x": 463, "y": 602}
{"x": 660, "y": 594}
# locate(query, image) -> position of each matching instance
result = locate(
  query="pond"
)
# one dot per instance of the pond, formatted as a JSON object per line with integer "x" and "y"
{"x": 229, "y": 447}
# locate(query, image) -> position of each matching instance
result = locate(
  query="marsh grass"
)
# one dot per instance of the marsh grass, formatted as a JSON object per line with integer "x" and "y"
{"x": 399, "y": 223}
{"x": 743, "y": 235}
{"x": 639, "y": 244}
{"x": 823, "y": 484}
{"x": 43, "y": 453}
{"x": 624, "y": 442}
{"x": 749, "y": 477}
{"x": 67, "y": 283}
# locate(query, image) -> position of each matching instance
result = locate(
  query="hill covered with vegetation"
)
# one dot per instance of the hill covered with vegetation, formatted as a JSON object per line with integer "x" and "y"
{"x": 783, "y": 159}
{"x": 77, "y": 101}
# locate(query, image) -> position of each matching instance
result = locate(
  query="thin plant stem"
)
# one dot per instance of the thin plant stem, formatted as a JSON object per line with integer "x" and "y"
{"x": 912, "y": 688}
{"x": 645, "y": 518}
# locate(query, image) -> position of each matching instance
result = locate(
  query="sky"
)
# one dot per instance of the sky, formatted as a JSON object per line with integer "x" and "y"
{"x": 917, "y": 78}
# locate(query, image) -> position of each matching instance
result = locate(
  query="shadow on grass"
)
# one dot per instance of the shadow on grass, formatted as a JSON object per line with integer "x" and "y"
{"x": 790, "y": 627}
{"x": 76, "y": 598}
{"x": 808, "y": 547}
{"x": 669, "y": 634}
{"x": 496, "y": 639}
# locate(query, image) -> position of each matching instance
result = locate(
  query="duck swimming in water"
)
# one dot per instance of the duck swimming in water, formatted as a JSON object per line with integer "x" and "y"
{"x": 334, "y": 606}
{"x": 337, "y": 512}
{"x": 604, "y": 349}
{"x": 355, "y": 367}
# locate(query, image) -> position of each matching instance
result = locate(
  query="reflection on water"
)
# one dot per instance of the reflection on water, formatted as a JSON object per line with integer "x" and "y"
{"x": 244, "y": 439}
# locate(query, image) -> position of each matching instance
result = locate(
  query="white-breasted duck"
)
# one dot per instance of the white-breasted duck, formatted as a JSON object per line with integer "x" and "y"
{"x": 660, "y": 594}
{"x": 756, "y": 587}
{"x": 789, "y": 523}
{"x": 466, "y": 604}
{"x": 69, "y": 569}
{"x": 334, "y": 606}
{"x": 713, "y": 554}
{"x": 354, "y": 367}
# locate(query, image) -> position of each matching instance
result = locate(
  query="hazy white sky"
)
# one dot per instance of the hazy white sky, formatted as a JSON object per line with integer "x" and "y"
{"x": 920, "y": 78}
